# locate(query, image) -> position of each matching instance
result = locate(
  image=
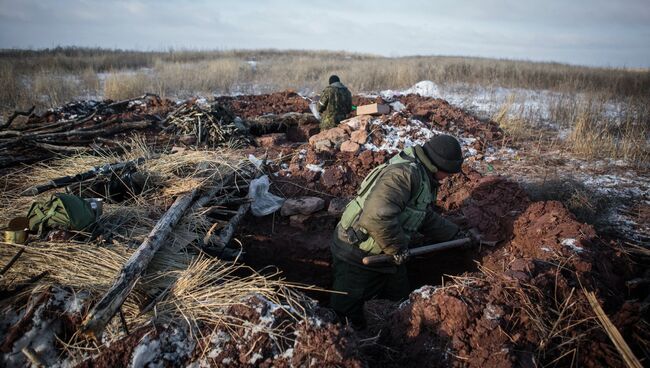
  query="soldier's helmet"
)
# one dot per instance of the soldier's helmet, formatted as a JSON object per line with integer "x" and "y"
{"x": 445, "y": 152}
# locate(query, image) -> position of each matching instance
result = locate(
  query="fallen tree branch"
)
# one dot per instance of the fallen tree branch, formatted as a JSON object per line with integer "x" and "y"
{"x": 12, "y": 261}
{"x": 76, "y": 133}
{"x": 18, "y": 329}
{"x": 64, "y": 149}
{"x": 17, "y": 114}
{"x": 108, "y": 306}
{"x": 105, "y": 309}
{"x": 220, "y": 242}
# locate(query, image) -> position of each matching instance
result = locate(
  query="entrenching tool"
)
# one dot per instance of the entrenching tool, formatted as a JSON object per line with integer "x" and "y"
{"x": 383, "y": 258}
{"x": 312, "y": 106}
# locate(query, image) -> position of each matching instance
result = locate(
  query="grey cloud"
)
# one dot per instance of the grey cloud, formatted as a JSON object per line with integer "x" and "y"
{"x": 597, "y": 32}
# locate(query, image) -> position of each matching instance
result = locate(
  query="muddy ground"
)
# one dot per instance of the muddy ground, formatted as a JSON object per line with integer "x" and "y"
{"x": 520, "y": 303}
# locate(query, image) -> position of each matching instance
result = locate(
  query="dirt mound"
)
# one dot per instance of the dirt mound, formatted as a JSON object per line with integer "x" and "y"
{"x": 313, "y": 342}
{"x": 490, "y": 204}
{"x": 450, "y": 118}
{"x": 278, "y": 103}
{"x": 526, "y": 305}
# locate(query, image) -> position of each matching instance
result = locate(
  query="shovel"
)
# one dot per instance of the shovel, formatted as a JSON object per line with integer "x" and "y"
{"x": 314, "y": 110}
{"x": 384, "y": 258}
{"x": 312, "y": 106}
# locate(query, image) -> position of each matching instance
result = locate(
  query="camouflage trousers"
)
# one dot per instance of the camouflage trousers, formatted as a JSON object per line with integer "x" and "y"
{"x": 330, "y": 121}
{"x": 361, "y": 285}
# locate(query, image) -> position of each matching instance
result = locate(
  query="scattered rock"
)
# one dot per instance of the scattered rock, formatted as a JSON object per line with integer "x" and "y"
{"x": 359, "y": 136}
{"x": 330, "y": 139}
{"x": 349, "y": 146}
{"x": 187, "y": 139}
{"x": 271, "y": 140}
{"x": 337, "y": 206}
{"x": 302, "y": 205}
{"x": 334, "y": 177}
{"x": 358, "y": 122}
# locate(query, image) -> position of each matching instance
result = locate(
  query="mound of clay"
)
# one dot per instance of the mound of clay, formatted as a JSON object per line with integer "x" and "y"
{"x": 257, "y": 105}
{"x": 490, "y": 204}
{"x": 452, "y": 119}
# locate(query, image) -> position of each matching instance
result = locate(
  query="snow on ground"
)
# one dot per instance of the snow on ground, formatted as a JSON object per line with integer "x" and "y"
{"x": 172, "y": 345}
{"x": 535, "y": 105}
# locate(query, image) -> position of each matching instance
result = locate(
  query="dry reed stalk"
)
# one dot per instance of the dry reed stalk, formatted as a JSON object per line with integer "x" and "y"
{"x": 617, "y": 339}
{"x": 207, "y": 287}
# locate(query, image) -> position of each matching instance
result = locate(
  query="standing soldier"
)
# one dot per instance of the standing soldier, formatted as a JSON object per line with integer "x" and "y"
{"x": 392, "y": 203}
{"x": 335, "y": 103}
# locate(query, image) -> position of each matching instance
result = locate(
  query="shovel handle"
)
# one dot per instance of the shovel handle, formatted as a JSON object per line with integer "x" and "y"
{"x": 383, "y": 258}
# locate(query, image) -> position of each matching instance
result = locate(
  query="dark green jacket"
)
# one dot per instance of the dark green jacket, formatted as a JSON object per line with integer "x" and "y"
{"x": 388, "y": 198}
{"x": 334, "y": 105}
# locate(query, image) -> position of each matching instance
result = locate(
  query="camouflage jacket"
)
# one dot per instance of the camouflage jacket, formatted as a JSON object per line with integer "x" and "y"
{"x": 334, "y": 105}
{"x": 388, "y": 199}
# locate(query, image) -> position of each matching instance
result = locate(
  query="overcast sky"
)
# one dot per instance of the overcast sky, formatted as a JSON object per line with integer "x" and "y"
{"x": 596, "y": 32}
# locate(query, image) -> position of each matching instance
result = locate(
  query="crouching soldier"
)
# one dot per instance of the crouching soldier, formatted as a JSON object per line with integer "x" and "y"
{"x": 335, "y": 103}
{"x": 392, "y": 203}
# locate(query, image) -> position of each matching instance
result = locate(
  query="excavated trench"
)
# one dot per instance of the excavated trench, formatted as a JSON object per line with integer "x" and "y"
{"x": 303, "y": 254}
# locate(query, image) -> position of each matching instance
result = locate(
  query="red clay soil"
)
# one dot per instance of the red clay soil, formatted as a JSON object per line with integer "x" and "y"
{"x": 302, "y": 258}
{"x": 316, "y": 342}
{"x": 119, "y": 353}
{"x": 444, "y": 116}
{"x": 342, "y": 172}
{"x": 490, "y": 204}
{"x": 526, "y": 307}
{"x": 278, "y": 103}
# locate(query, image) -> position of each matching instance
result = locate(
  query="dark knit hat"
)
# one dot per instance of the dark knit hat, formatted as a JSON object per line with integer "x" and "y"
{"x": 334, "y": 79}
{"x": 444, "y": 151}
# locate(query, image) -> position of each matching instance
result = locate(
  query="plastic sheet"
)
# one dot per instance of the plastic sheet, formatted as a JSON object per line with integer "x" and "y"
{"x": 264, "y": 203}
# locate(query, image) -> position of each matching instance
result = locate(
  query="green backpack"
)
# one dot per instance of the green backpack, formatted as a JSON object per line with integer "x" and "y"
{"x": 61, "y": 211}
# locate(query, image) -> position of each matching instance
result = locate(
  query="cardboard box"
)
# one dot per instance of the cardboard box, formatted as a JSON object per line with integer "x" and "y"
{"x": 373, "y": 109}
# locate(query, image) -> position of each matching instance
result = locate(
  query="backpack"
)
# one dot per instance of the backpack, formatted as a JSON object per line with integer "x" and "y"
{"x": 61, "y": 211}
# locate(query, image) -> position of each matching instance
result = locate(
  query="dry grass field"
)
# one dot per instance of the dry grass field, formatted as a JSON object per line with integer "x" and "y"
{"x": 606, "y": 109}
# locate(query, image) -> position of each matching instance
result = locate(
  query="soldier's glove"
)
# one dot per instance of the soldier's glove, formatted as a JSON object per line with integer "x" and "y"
{"x": 401, "y": 256}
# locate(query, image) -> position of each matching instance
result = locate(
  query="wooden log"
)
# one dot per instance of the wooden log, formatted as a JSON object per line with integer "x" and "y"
{"x": 64, "y": 149}
{"x": 76, "y": 133}
{"x": 18, "y": 329}
{"x": 220, "y": 242}
{"x": 60, "y": 126}
{"x": 99, "y": 316}
{"x": 12, "y": 261}
{"x": 17, "y": 114}
{"x": 108, "y": 306}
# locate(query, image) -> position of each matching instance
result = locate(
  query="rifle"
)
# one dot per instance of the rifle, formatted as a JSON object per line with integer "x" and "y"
{"x": 70, "y": 179}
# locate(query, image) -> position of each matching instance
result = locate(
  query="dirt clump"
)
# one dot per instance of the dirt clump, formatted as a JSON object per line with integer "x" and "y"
{"x": 525, "y": 304}
{"x": 489, "y": 204}
{"x": 248, "y": 106}
{"x": 315, "y": 341}
{"x": 450, "y": 118}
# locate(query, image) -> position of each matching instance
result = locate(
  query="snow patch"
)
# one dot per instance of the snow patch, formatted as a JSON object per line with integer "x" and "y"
{"x": 145, "y": 353}
{"x": 572, "y": 244}
{"x": 315, "y": 168}
{"x": 425, "y": 291}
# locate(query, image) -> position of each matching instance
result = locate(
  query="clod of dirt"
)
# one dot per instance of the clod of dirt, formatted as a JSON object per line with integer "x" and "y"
{"x": 256, "y": 105}
{"x": 490, "y": 204}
